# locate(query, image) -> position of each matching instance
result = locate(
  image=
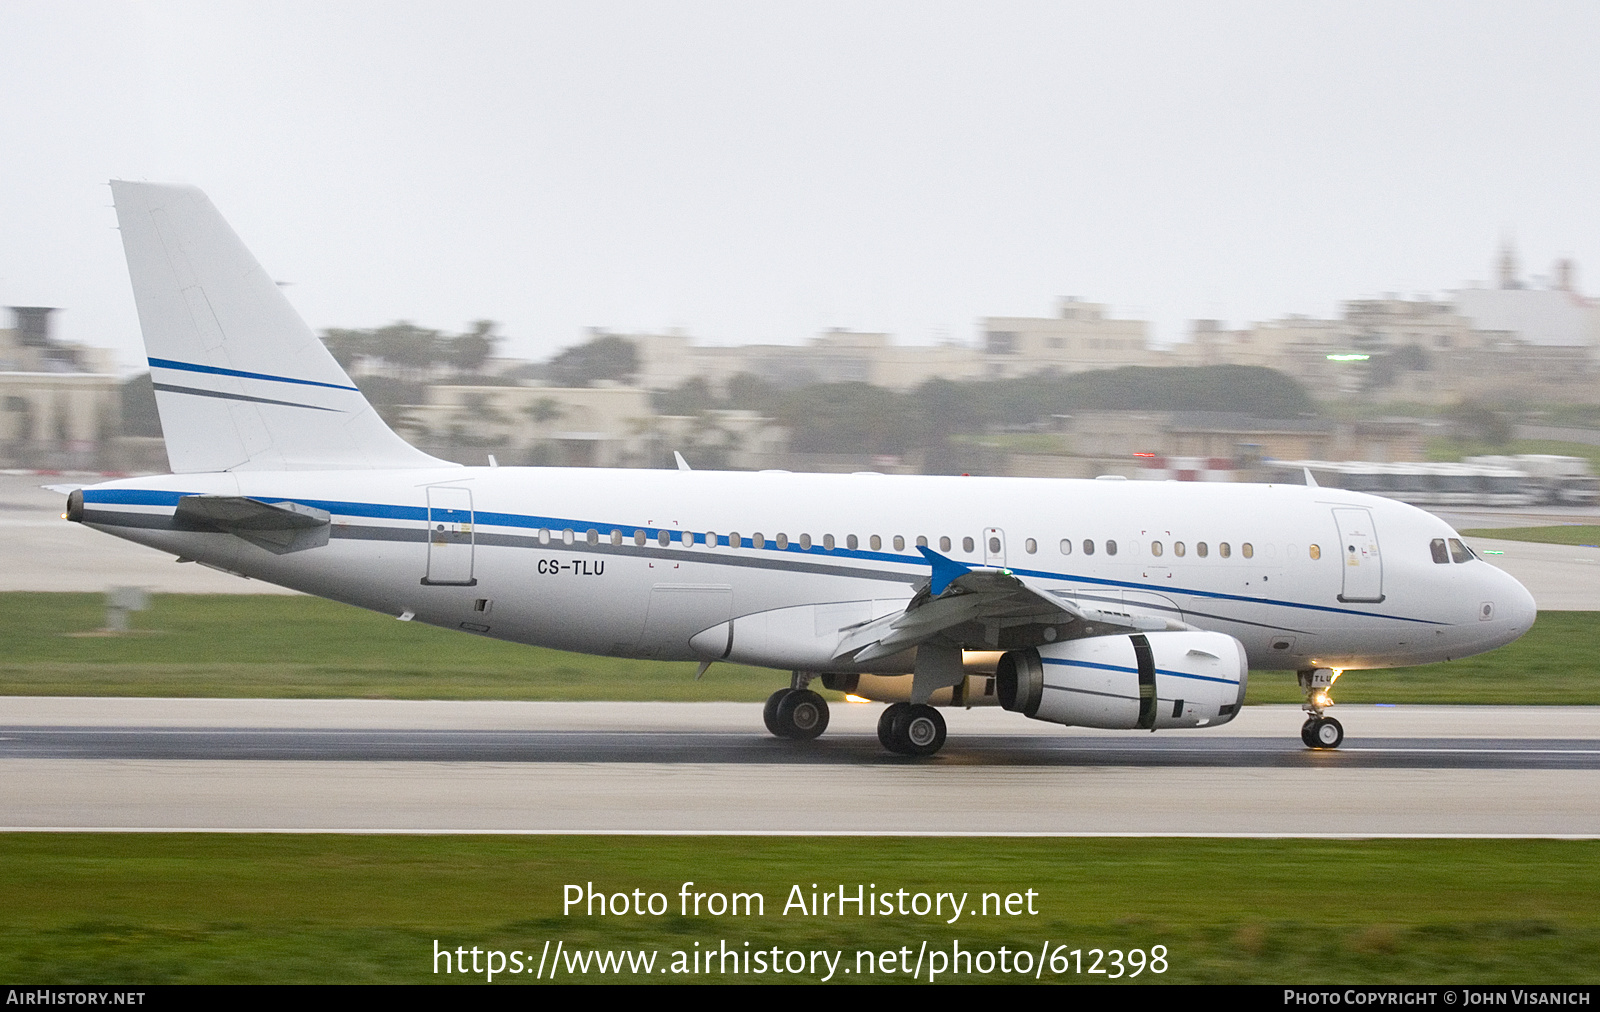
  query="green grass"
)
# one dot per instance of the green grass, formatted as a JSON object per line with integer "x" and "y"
{"x": 269, "y": 646}
{"x": 176, "y": 908}
{"x": 1564, "y": 534}
{"x": 1556, "y": 663}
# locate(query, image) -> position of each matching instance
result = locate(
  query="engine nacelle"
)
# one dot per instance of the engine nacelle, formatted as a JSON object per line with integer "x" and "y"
{"x": 977, "y": 689}
{"x": 1144, "y": 680}
{"x": 974, "y": 690}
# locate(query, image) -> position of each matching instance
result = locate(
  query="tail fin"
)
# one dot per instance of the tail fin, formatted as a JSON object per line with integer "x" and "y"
{"x": 241, "y": 382}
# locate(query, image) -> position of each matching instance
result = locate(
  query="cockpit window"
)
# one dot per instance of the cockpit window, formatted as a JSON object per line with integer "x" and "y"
{"x": 1459, "y": 552}
{"x": 1440, "y": 553}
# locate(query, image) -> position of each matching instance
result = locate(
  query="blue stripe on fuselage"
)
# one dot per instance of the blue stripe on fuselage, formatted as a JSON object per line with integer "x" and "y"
{"x": 382, "y": 511}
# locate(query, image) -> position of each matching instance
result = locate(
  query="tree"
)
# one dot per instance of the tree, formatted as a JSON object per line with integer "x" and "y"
{"x": 1477, "y": 421}
{"x": 847, "y": 418}
{"x": 605, "y": 357}
{"x": 468, "y": 352}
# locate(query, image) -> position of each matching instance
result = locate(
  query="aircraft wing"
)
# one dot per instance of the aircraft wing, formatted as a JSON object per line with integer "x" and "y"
{"x": 985, "y": 608}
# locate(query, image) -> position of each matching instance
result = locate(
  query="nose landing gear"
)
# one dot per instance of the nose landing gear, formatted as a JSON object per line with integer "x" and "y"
{"x": 1319, "y": 732}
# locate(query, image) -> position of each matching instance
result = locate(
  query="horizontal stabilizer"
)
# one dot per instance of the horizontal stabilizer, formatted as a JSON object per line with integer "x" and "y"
{"x": 279, "y": 527}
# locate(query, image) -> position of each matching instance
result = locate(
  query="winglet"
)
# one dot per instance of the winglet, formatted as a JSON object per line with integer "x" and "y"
{"x": 1311, "y": 482}
{"x": 945, "y": 571}
{"x": 683, "y": 465}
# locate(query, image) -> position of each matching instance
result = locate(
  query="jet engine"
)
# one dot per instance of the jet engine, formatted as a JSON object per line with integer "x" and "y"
{"x": 1144, "y": 680}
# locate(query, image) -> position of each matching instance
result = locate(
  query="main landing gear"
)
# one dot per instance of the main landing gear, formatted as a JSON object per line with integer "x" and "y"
{"x": 1318, "y": 731}
{"x": 914, "y": 729}
{"x": 796, "y": 712}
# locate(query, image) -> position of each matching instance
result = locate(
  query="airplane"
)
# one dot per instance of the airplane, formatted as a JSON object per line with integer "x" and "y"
{"x": 1102, "y": 603}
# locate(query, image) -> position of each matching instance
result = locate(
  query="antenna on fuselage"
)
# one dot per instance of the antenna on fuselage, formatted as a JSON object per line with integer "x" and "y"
{"x": 1310, "y": 481}
{"x": 683, "y": 465}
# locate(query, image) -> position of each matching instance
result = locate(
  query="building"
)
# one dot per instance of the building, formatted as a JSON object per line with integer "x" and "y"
{"x": 60, "y": 403}
{"x": 1082, "y": 336}
{"x": 1079, "y": 338}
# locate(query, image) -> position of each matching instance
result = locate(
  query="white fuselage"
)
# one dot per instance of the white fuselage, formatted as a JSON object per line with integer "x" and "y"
{"x": 508, "y": 552}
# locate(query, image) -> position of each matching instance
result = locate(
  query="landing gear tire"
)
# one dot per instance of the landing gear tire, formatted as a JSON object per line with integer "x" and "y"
{"x": 886, "y": 721}
{"x": 769, "y": 713}
{"x": 801, "y": 714}
{"x": 1308, "y": 732}
{"x": 1323, "y": 733}
{"x": 917, "y": 730}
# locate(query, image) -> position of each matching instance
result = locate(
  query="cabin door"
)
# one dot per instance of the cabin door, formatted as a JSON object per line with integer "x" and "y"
{"x": 450, "y": 537}
{"x": 994, "y": 547}
{"x": 1358, "y": 546}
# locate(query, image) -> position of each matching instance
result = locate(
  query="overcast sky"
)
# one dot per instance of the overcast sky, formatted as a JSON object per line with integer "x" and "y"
{"x": 763, "y": 171}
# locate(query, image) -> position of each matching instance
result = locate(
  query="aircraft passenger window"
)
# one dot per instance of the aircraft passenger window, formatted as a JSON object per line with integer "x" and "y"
{"x": 851, "y": 543}
{"x": 994, "y": 545}
{"x": 827, "y": 542}
{"x": 1111, "y": 547}
{"x": 1315, "y": 551}
{"x": 1088, "y": 546}
{"x": 544, "y": 535}
{"x": 922, "y": 541}
{"x": 616, "y": 537}
{"x": 805, "y": 542}
{"x": 1066, "y": 546}
{"x": 566, "y": 536}
{"x": 711, "y": 539}
{"x": 734, "y": 541}
{"x": 1247, "y": 550}
{"x": 638, "y": 536}
{"x": 686, "y": 538}
{"x": 899, "y": 543}
{"x": 593, "y": 537}
{"x": 967, "y": 545}
{"x": 1155, "y": 548}
{"x": 1178, "y": 549}
{"x": 1459, "y": 552}
{"x": 1224, "y": 550}
{"x": 944, "y": 544}
{"x": 783, "y": 541}
{"x": 1201, "y": 550}
{"x": 1031, "y": 546}
{"x": 664, "y": 538}
{"x": 876, "y": 543}
{"x": 757, "y": 540}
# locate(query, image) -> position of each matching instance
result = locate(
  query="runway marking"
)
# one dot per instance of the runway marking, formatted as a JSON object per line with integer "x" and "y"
{"x": 1473, "y": 751}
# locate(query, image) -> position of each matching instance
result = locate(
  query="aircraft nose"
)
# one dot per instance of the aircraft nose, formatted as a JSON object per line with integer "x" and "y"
{"x": 1517, "y": 606}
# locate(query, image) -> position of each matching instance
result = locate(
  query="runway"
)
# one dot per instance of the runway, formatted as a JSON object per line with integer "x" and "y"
{"x": 348, "y": 765}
